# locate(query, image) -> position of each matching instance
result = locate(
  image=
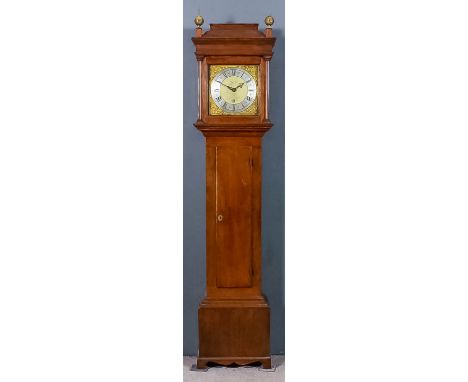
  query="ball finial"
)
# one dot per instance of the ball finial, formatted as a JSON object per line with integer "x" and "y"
{"x": 198, "y": 21}
{"x": 269, "y": 20}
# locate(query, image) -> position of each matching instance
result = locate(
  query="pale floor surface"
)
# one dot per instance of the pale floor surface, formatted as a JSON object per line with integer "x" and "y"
{"x": 235, "y": 374}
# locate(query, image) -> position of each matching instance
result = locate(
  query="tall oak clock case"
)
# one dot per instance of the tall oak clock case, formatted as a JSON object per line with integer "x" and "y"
{"x": 234, "y": 317}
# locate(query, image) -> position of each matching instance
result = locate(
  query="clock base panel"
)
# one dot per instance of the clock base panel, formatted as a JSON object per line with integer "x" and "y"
{"x": 234, "y": 332}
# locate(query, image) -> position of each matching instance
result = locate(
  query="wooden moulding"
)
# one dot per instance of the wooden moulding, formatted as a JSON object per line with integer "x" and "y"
{"x": 228, "y": 130}
{"x": 234, "y": 39}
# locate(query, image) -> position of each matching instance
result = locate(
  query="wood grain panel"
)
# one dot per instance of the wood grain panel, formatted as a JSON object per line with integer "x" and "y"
{"x": 234, "y": 331}
{"x": 234, "y": 216}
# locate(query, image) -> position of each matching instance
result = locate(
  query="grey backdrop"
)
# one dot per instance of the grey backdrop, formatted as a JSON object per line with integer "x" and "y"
{"x": 239, "y": 11}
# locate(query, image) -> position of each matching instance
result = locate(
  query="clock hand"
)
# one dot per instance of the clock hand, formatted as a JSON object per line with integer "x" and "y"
{"x": 230, "y": 88}
{"x": 239, "y": 86}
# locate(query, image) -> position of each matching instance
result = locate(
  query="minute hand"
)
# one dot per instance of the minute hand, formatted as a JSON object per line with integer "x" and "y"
{"x": 230, "y": 88}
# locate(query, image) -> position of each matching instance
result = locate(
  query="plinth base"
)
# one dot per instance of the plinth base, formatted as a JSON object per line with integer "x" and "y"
{"x": 203, "y": 363}
{"x": 234, "y": 332}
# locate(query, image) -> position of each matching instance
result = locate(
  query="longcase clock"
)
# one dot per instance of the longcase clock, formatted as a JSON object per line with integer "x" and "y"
{"x": 233, "y": 64}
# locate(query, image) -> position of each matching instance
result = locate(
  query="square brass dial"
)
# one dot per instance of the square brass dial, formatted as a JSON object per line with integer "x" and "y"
{"x": 214, "y": 108}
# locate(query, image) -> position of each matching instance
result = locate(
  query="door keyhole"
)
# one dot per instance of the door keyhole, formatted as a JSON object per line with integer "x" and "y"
{"x": 220, "y": 218}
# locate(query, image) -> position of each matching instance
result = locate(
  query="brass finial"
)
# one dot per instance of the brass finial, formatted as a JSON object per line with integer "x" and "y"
{"x": 269, "y": 20}
{"x": 198, "y": 21}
